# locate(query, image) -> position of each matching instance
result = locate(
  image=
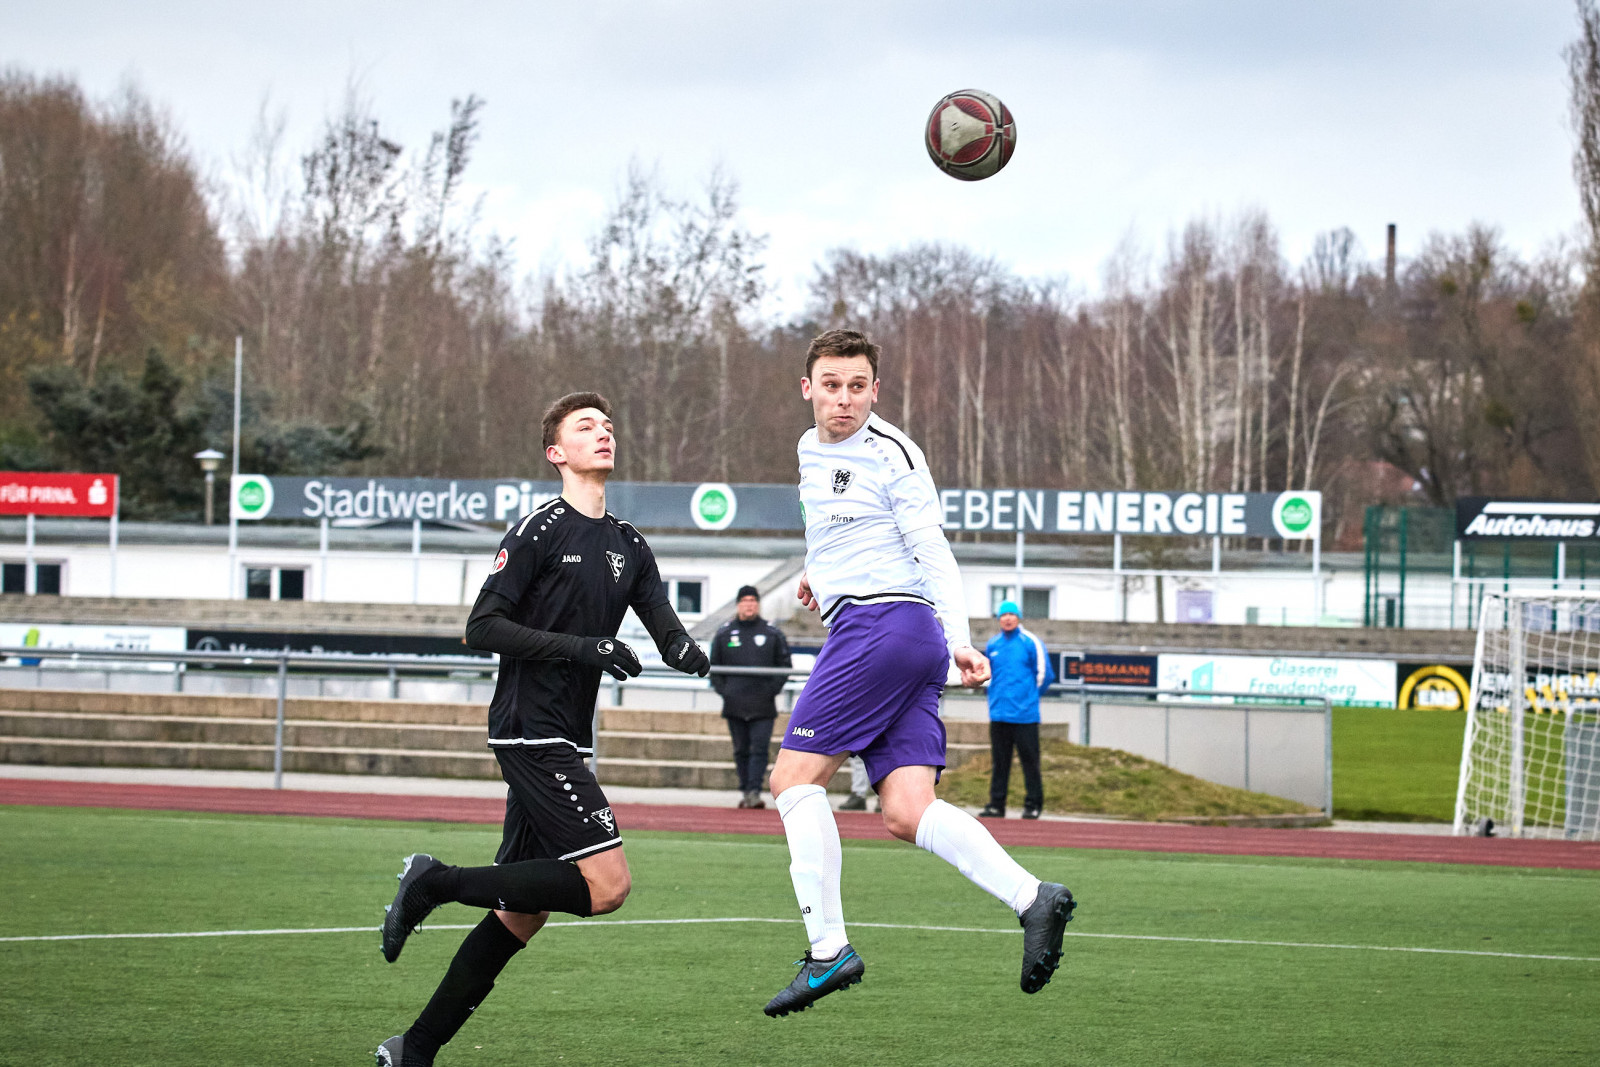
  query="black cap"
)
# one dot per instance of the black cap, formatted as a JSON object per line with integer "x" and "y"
{"x": 748, "y": 590}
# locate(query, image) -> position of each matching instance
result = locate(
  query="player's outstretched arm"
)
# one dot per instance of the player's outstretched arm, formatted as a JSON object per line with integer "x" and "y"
{"x": 490, "y": 629}
{"x": 678, "y": 650}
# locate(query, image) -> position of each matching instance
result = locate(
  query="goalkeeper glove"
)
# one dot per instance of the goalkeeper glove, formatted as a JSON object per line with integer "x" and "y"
{"x": 686, "y": 656}
{"x": 610, "y": 655}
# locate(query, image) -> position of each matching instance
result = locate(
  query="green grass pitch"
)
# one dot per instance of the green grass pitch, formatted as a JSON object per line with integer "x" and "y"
{"x": 1396, "y": 765}
{"x": 692, "y": 994}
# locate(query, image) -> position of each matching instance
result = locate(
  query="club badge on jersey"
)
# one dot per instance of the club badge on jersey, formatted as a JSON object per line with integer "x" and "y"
{"x": 499, "y": 562}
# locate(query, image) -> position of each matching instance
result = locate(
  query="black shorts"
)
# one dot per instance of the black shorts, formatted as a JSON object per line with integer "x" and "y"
{"x": 556, "y": 810}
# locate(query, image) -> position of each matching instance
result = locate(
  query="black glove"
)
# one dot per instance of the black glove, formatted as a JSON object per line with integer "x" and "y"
{"x": 610, "y": 655}
{"x": 684, "y": 655}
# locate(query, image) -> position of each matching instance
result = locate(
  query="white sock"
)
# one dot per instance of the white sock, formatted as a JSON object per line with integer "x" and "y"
{"x": 814, "y": 865}
{"x": 961, "y": 841}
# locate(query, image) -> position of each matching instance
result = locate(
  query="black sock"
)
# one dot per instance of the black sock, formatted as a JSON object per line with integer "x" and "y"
{"x": 478, "y": 962}
{"x": 528, "y": 886}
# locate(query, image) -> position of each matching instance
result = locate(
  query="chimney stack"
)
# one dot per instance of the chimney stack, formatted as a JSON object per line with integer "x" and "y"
{"x": 1388, "y": 266}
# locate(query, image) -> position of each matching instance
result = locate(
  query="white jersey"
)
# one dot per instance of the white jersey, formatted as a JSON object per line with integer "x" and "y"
{"x": 864, "y": 499}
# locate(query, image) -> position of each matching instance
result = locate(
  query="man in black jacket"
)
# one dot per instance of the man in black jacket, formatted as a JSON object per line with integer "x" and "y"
{"x": 749, "y": 701}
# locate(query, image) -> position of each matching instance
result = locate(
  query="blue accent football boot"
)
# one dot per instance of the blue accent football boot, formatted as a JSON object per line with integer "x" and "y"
{"x": 1043, "y": 926}
{"x": 411, "y": 904}
{"x": 817, "y": 978}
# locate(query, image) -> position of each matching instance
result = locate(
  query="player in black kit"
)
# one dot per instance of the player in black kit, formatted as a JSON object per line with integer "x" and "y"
{"x": 564, "y": 577}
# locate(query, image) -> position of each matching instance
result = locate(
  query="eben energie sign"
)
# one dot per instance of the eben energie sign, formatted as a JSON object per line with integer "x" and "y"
{"x": 719, "y": 506}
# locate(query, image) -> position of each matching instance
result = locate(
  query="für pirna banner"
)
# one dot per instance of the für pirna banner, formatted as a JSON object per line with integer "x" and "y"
{"x": 79, "y": 496}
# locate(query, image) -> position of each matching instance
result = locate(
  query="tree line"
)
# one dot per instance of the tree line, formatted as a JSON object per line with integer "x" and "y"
{"x": 388, "y": 331}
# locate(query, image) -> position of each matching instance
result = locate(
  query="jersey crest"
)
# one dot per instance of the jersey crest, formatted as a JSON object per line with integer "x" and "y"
{"x": 499, "y": 562}
{"x": 604, "y": 818}
{"x": 761, "y": 639}
{"x": 616, "y": 559}
{"x": 842, "y": 479}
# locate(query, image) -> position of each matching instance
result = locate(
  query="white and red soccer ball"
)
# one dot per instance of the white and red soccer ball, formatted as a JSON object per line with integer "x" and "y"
{"x": 970, "y": 135}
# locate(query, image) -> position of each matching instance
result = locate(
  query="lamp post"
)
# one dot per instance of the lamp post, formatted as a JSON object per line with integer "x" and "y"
{"x": 210, "y": 460}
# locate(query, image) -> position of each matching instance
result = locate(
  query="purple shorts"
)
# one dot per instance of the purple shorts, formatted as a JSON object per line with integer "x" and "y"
{"x": 875, "y": 689}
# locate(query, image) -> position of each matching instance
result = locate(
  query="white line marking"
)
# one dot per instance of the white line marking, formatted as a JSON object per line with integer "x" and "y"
{"x": 790, "y": 922}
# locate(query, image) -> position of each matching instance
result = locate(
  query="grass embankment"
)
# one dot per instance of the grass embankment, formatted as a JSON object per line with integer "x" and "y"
{"x": 1106, "y": 781}
{"x": 1396, "y": 766}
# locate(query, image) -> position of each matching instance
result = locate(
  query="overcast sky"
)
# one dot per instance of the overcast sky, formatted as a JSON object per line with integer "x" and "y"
{"x": 1131, "y": 114}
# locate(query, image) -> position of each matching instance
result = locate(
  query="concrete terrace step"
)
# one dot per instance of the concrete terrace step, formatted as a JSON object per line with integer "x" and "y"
{"x": 98, "y": 728}
{"x": 183, "y": 729}
{"x": 73, "y": 752}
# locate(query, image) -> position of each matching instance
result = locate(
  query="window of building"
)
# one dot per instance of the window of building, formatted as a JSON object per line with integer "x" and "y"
{"x": 275, "y": 583}
{"x": 46, "y": 578}
{"x": 1035, "y": 600}
{"x": 687, "y": 595}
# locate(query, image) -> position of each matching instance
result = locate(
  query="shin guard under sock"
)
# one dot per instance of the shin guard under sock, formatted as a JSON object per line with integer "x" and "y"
{"x": 528, "y": 886}
{"x": 960, "y": 840}
{"x": 478, "y": 962}
{"x": 814, "y": 865}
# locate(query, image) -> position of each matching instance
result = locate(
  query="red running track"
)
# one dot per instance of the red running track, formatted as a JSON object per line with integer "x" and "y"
{"x": 1140, "y": 837}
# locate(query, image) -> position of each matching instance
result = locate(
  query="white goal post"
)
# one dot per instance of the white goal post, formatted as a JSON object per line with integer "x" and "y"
{"x": 1530, "y": 758}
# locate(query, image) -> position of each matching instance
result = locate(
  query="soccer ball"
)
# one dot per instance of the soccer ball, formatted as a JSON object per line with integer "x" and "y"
{"x": 970, "y": 135}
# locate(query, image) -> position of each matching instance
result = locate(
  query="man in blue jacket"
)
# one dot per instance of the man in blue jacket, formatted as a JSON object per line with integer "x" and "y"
{"x": 1019, "y": 672}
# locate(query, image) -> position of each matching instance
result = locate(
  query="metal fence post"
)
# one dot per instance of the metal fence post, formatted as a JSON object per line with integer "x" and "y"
{"x": 1327, "y": 718}
{"x": 1247, "y": 748}
{"x": 394, "y": 684}
{"x": 277, "y": 741}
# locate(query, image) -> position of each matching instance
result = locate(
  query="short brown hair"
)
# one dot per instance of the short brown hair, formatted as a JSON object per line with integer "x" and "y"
{"x": 557, "y": 413}
{"x": 842, "y": 343}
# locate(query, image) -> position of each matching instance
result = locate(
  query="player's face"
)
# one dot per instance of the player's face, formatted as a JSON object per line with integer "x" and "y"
{"x": 584, "y": 443}
{"x": 749, "y": 608}
{"x": 1009, "y": 622}
{"x": 842, "y": 391}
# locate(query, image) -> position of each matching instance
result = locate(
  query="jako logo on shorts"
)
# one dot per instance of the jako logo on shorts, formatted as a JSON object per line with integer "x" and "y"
{"x": 801, "y": 731}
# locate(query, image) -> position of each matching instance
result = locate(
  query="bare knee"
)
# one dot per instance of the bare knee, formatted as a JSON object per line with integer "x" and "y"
{"x": 606, "y": 893}
{"x": 900, "y": 822}
{"x": 521, "y": 924}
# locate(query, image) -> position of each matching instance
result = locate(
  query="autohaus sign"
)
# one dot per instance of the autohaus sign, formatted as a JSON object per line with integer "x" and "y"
{"x": 1481, "y": 518}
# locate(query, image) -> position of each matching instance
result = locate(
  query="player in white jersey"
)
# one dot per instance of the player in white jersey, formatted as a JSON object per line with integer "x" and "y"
{"x": 881, "y": 573}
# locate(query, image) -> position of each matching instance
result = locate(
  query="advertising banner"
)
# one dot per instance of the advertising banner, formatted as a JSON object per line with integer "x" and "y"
{"x": 1289, "y": 516}
{"x": 492, "y": 501}
{"x": 1347, "y": 682}
{"x": 1099, "y": 668}
{"x": 1432, "y": 687}
{"x": 720, "y": 506}
{"x": 270, "y": 643}
{"x": 73, "y": 637}
{"x": 1482, "y": 518}
{"x": 79, "y": 496}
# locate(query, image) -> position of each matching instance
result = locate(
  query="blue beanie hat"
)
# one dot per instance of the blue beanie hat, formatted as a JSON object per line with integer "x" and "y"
{"x": 1008, "y": 607}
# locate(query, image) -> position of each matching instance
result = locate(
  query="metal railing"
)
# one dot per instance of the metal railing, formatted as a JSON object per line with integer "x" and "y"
{"x": 278, "y": 666}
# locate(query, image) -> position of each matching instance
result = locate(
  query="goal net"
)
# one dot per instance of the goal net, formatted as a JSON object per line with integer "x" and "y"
{"x": 1530, "y": 760}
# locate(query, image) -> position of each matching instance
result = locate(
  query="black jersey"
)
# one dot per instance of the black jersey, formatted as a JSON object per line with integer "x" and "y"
{"x": 564, "y": 573}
